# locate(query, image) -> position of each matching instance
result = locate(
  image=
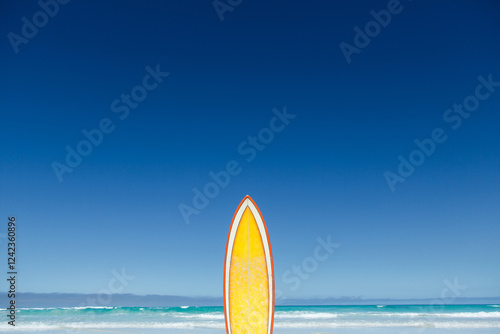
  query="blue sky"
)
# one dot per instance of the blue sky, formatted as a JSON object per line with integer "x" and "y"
{"x": 322, "y": 175}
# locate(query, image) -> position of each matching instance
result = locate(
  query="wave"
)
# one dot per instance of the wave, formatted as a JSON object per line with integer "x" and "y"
{"x": 220, "y": 325}
{"x": 438, "y": 315}
{"x": 204, "y": 316}
{"x": 468, "y": 315}
{"x": 304, "y": 315}
{"x": 117, "y": 309}
{"x": 104, "y": 317}
{"x": 113, "y": 325}
{"x": 381, "y": 324}
{"x": 217, "y": 312}
{"x": 76, "y": 308}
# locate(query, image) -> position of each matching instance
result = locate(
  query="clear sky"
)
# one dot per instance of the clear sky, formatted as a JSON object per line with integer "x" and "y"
{"x": 355, "y": 108}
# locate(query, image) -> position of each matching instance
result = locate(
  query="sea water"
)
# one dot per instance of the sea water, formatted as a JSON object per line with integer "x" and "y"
{"x": 288, "y": 319}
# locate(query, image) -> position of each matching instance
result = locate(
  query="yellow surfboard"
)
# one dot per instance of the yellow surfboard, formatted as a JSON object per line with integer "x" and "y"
{"x": 248, "y": 273}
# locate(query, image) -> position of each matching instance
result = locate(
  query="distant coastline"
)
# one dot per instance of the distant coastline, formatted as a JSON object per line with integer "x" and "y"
{"x": 32, "y": 300}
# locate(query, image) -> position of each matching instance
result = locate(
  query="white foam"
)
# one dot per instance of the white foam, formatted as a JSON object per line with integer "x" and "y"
{"x": 33, "y": 326}
{"x": 381, "y": 324}
{"x": 88, "y": 308}
{"x": 205, "y": 316}
{"x": 66, "y": 318}
{"x": 112, "y": 325}
{"x": 304, "y": 315}
{"x": 468, "y": 315}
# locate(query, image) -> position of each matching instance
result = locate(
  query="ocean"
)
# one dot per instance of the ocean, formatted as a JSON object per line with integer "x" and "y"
{"x": 288, "y": 319}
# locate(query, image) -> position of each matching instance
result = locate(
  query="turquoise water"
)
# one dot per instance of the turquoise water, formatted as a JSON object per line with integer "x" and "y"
{"x": 287, "y": 318}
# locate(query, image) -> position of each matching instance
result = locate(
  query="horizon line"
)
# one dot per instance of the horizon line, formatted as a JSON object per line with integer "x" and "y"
{"x": 352, "y": 298}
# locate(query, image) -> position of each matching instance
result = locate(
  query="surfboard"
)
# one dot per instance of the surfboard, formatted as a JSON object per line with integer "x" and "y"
{"x": 248, "y": 273}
